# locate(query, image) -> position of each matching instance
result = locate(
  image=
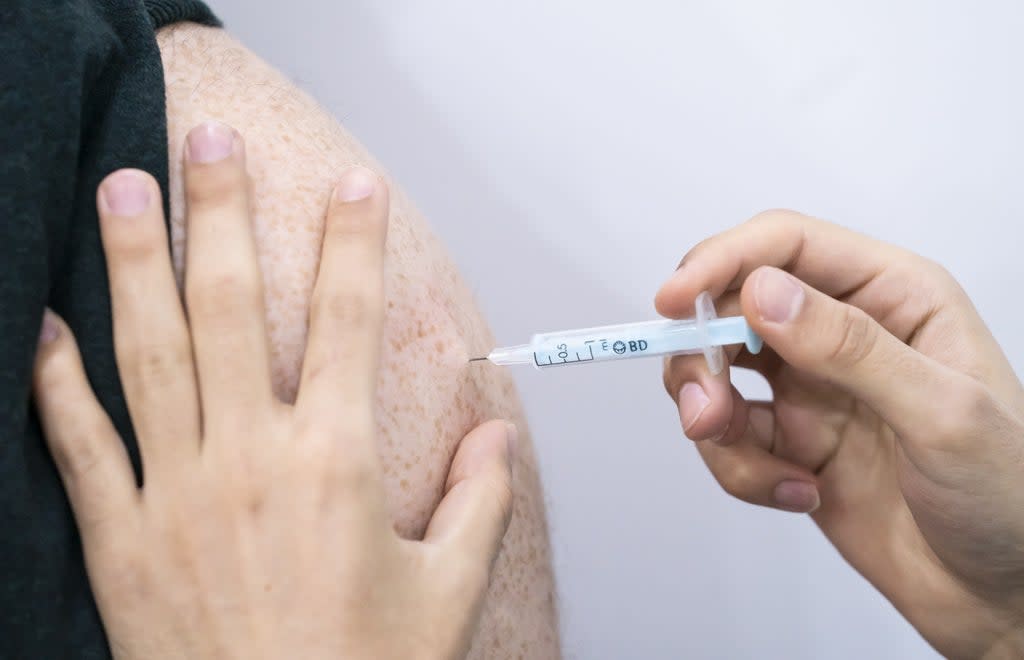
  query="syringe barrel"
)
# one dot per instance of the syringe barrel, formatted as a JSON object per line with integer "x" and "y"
{"x": 632, "y": 340}
{"x": 703, "y": 334}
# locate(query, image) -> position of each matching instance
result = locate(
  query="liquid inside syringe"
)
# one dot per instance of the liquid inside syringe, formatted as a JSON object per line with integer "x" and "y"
{"x": 703, "y": 334}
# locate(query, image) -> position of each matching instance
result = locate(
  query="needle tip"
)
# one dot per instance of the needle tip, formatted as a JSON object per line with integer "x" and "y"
{"x": 477, "y": 359}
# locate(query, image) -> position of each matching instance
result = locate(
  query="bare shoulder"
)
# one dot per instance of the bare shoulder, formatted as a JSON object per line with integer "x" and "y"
{"x": 428, "y": 397}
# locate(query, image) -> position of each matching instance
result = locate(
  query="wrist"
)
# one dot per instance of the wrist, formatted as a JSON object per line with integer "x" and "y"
{"x": 1006, "y": 639}
{"x": 999, "y": 636}
{"x": 959, "y": 624}
{"x": 1008, "y": 646}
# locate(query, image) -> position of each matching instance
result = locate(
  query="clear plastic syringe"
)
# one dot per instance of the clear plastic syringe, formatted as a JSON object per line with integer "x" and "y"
{"x": 706, "y": 333}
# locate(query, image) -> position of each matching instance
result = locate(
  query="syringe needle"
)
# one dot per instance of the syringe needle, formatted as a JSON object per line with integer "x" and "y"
{"x": 478, "y": 359}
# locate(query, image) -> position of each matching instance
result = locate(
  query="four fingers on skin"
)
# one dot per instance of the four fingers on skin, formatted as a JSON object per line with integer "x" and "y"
{"x": 206, "y": 364}
{"x": 223, "y": 282}
{"x": 151, "y": 339}
{"x": 339, "y": 377}
{"x": 87, "y": 450}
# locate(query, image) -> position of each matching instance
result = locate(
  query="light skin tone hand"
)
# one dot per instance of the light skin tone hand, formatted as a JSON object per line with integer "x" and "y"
{"x": 895, "y": 419}
{"x": 261, "y": 529}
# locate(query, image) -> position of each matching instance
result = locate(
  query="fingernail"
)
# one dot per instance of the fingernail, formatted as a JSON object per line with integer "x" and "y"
{"x": 125, "y": 193}
{"x": 692, "y": 402}
{"x": 210, "y": 142}
{"x": 797, "y": 496}
{"x": 356, "y": 184}
{"x": 779, "y": 296}
{"x": 512, "y": 438}
{"x": 719, "y": 439}
{"x": 50, "y": 329}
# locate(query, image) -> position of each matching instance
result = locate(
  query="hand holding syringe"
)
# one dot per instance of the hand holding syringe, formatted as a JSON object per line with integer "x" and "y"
{"x": 703, "y": 334}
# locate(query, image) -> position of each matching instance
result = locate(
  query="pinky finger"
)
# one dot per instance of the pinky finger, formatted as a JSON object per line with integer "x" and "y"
{"x": 86, "y": 448}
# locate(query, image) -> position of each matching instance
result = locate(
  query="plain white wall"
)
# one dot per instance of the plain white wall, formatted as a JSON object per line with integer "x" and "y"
{"x": 569, "y": 153}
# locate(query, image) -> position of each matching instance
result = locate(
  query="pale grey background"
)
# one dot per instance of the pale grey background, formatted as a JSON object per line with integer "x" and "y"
{"x": 568, "y": 153}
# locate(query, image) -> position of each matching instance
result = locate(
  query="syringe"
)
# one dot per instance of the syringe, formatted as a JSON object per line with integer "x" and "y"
{"x": 706, "y": 333}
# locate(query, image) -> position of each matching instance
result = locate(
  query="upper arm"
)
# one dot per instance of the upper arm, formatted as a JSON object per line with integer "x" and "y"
{"x": 428, "y": 398}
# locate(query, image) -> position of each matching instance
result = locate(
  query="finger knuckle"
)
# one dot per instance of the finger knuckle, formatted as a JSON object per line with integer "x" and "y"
{"x": 353, "y": 472}
{"x": 132, "y": 245}
{"x": 315, "y": 448}
{"x": 962, "y": 413}
{"x": 81, "y": 453}
{"x": 157, "y": 365}
{"x": 347, "y": 458}
{"x": 738, "y": 480}
{"x": 696, "y": 251}
{"x": 353, "y": 308}
{"x": 856, "y": 338}
{"x": 935, "y": 276}
{"x": 251, "y": 501}
{"x": 243, "y": 486}
{"x": 776, "y": 217}
{"x": 224, "y": 294}
{"x": 221, "y": 184}
{"x": 354, "y": 226}
{"x": 933, "y": 268}
{"x": 57, "y": 370}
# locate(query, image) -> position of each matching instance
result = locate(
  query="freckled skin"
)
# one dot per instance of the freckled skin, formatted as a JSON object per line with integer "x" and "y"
{"x": 428, "y": 396}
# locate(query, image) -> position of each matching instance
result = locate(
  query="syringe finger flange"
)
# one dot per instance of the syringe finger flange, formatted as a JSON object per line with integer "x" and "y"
{"x": 713, "y": 353}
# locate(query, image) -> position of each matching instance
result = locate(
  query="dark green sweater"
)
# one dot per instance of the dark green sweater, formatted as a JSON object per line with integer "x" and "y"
{"x": 81, "y": 95}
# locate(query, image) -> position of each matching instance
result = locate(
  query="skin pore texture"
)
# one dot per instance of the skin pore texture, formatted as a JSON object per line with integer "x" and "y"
{"x": 428, "y": 397}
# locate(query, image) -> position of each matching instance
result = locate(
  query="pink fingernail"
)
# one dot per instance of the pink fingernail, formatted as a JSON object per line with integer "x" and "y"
{"x": 356, "y": 184}
{"x": 50, "y": 329}
{"x": 210, "y": 142}
{"x": 125, "y": 193}
{"x": 778, "y": 295}
{"x": 797, "y": 496}
{"x": 693, "y": 400}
